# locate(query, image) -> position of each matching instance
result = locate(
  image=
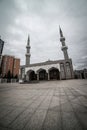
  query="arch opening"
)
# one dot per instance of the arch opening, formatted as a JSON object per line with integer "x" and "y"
{"x": 54, "y": 74}
{"x": 43, "y": 75}
{"x": 32, "y": 76}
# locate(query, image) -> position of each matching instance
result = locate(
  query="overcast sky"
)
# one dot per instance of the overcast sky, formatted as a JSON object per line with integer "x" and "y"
{"x": 41, "y": 19}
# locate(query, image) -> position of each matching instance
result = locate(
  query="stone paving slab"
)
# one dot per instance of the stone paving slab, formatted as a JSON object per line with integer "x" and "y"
{"x": 51, "y": 105}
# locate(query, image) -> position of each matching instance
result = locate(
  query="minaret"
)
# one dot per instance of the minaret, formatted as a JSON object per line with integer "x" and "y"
{"x": 28, "y": 52}
{"x": 64, "y": 47}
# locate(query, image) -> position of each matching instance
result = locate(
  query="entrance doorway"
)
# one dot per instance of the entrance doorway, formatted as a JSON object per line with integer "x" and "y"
{"x": 54, "y": 74}
{"x": 42, "y": 74}
{"x": 32, "y": 76}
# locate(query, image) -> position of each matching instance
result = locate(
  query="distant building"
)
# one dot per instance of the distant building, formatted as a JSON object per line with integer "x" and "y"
{"x": 7, "y": 64}
{"x": 1, "y": 48}
{"x": 80, "y": 74}
{"x": 49, "y": 70}
{"x": 16, "y": 67}
{"x": 10, "y": 64}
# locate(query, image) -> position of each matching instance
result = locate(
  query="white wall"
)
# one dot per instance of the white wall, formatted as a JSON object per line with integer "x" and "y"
{"x": 46, "y": 67}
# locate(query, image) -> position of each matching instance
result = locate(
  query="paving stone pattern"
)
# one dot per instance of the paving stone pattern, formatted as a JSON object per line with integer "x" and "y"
{"x": 51, "y": 105}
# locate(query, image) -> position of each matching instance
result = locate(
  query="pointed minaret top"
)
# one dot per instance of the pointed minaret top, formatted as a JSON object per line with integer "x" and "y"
{"x": 28, "y": 52}
{"x": 61, "y": 33}
{"x": 28, "y": 41}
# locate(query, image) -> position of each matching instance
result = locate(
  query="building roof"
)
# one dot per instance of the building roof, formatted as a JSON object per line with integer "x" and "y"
{"x": 46, "y": 63}
{"x": 11, "y": 56}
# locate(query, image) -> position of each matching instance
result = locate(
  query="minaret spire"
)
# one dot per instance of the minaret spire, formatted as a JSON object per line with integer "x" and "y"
{"x": 64, "y": 47}
{"x": 61, "y": 33}
{"x": 28, "y": 41}
{"x": 28, "y": 52}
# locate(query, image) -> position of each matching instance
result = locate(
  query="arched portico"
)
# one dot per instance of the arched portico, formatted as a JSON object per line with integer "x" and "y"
{"x": 42, "y": 74}
{"x": 31, "y": 75}
{"x": 53, "y": 73}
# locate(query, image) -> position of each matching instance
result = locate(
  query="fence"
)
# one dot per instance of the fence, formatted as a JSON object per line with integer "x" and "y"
{"x": 8, "y": 80}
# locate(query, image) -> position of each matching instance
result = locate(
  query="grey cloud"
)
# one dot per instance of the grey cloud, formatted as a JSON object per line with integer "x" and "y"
{"x": 41, "y": 18}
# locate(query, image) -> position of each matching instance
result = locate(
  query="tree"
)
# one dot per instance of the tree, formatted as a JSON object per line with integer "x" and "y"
{"x": 16, "y": 76}
{"x": 0, "y": 71}
{"x": 9, "y": 76}
{"x": 5, "y": 76}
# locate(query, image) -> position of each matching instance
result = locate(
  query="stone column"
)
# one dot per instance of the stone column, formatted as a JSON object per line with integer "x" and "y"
{"x": 48, "y": 76}
{"x": 27, "y": 78}
{"x": 60, "y": 75}
{"x": 0, "y": 60}
{"x": 37, "y": 76}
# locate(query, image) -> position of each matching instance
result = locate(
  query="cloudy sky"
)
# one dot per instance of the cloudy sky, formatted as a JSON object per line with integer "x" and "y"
{"x": 41, "y": 19}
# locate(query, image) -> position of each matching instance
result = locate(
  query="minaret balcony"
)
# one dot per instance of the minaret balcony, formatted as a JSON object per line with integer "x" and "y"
{"x": 28, "y": 46}
{"x": 62, "y": 39}
{"x": 28, "y": 54}
{"x": 64, "y": 48}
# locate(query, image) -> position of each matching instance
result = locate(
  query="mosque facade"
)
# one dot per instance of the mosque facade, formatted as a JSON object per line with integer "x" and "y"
{"x": 49, "y": 70}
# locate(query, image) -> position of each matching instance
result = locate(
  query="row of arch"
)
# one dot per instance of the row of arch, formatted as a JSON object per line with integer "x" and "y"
{"x": 41, "y": 74}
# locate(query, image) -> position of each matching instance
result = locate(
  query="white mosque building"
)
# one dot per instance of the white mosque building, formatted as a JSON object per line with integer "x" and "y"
{"x": 49, "y": 70}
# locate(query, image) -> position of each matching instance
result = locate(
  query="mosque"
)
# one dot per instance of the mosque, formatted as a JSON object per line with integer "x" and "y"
{"x": 49, "y": 70}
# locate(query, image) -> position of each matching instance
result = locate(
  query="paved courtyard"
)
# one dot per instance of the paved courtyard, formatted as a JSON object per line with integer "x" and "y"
{"x": 52, "y": 105}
